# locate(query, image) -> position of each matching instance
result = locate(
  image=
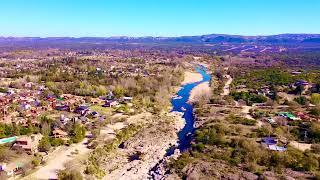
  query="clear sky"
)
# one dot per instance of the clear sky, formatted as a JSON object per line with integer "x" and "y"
{"x": 103, "y": 18}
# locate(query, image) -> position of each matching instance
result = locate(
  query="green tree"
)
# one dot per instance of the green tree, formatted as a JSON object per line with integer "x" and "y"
{"x": 44, "y": 144}
{"x": 78, "y": 133}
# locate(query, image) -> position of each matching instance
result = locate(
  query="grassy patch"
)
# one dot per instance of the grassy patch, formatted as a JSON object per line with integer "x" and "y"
{"x": 101, "y": 110}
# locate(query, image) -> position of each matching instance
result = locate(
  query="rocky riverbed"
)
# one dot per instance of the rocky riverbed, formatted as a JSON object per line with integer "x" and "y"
{"x": 137, "y": 156}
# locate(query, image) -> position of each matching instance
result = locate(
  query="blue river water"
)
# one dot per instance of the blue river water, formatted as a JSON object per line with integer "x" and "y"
{"x": 182, "y": 105}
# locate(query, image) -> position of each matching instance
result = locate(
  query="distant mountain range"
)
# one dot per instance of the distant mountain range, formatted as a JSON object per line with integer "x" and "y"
{"x": 204, "y": 39}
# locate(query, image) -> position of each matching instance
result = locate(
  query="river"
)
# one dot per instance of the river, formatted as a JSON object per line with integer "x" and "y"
{"x": 185, "y": 135}
{"x": 182, "y": 105}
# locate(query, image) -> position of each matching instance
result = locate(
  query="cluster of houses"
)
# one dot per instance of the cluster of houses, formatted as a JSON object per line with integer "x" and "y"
{"x": 30, "y": 107}
{"x": 19, "y": 107}
{"x": 282, "y": 118}
{"x": 22, "y": 106}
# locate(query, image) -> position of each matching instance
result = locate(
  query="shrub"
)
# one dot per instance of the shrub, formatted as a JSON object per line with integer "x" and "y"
{"x": 56, "y": 142}
{"x": 90, "y": 169}
{"x": 302, "y": 100}
{"x": 69, "y": 175}
{"x": 315, "y": 111}
{"x": 315, "y": 98}
{"x": 198, "y": 147}
{"x": 241, "y": 120}
{"x": 3, "y": 90}
{"x": 36, "y": 162}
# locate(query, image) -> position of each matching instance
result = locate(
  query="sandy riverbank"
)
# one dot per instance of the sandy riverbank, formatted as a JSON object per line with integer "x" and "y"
{"x": 191, "y": 77}
{"x": 202, "y": 89}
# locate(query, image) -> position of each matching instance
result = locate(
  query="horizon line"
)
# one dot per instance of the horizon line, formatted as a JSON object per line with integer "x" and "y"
{"x": 148, "y": 36}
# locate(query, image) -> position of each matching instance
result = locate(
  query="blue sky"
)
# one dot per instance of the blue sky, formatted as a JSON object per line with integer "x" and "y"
{"x": 103, "y": 18}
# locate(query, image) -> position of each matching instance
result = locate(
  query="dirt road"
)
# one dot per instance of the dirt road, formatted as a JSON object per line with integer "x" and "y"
{"x": 226, "y": 89}
{"x": 57, "y": 159}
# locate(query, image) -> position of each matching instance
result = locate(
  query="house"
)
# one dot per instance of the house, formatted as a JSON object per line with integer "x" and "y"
{"x": 296, "y": 72}
{"x": 302, "y": 115}
{"x": 81, "y": 119}
{"x": 82, "y": 110}
{"x": 271, "y": 121}
{"x": 110, "y": 103}
{"x": 96, "y": 101}
{"x": 25, "y": 106}
{"x": 63, "y": 108}
{"x": 268, "y": 141}
{"x": 302, "y": 83}
{"x": 58, "y": 133}
{"x": 126, "y": 99}
{"x": 110, "y": 95}
{"x": 271, "y": 144}
{"x": 8, "y": 140}
{"x": 37, "y": 103}
{"x": 64, "y": 119}
{"x": 28, "y": 143}
{"x": 51, "y": 98}
{"x": 94, "y": 114}
{"x": 289, "y": 116}
{"x": 10, "y": 92}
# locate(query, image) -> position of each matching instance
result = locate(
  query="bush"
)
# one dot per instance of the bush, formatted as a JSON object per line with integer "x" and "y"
{"x": 241, "y": 120}
{"x": 302, "y": 100}
{"x": 69, "y": 175}
{"x": 315, "y": 111}
{"x": 315, "y": 98}
{"x": 90, "y": 169}
{"x": 3, "y": 90}
{"x": 56, "y": 142}
{"x": 182, "y": 162}
{"x": 264, "y": 131}
{"x": 36, "y": 162}
{"x": 198, "y": 147}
